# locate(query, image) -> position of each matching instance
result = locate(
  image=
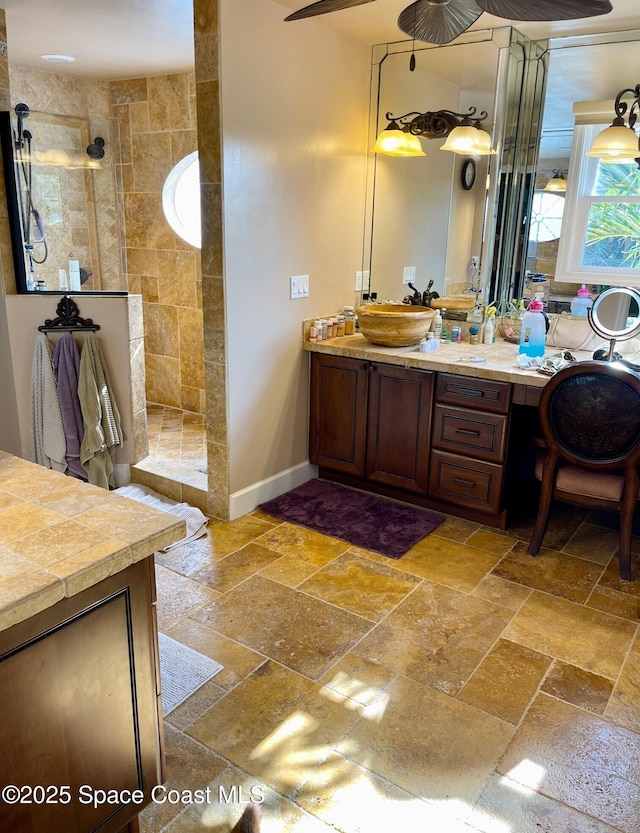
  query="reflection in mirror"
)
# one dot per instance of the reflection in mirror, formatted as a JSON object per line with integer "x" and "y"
{"x": 589, "y": 68}
{"x": 615, "y": 315}
{"x": 65, "y": 203}
{"x": 424, "y": 224}
{"x": 616, "y": 312}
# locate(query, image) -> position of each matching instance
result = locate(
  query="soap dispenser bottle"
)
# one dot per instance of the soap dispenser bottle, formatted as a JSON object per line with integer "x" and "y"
{"x": 437, "y": 324}
{"x": 534, "y": 329}
{"x": 581, "y": 303}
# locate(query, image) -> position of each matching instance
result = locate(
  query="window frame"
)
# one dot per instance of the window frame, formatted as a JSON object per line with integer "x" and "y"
{"x": 583, "y": 170}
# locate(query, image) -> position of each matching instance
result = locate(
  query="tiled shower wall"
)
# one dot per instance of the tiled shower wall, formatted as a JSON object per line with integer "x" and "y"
{"x": 157, "y": 118}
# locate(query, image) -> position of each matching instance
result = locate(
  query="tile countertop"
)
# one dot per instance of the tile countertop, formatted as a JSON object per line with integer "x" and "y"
{"x": 59, "y": 536}
{"x": 486, "y": 361}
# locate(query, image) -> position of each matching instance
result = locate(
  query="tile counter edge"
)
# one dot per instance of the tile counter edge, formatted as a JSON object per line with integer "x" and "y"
{"x": 496, "y": 361}
{"x": 117, "y": 532}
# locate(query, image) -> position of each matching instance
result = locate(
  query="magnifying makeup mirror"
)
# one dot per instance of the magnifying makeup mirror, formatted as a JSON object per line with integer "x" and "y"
{"x": 615, "y": 315}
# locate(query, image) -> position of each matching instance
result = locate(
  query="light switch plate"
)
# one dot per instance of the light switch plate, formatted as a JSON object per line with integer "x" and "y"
{"x": 299, "y": 286}
{"x": 409, "y": 274}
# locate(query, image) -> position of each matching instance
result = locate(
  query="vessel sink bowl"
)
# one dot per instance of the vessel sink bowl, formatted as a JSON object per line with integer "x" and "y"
{"x": 394, "y": 325}
{"x": 463, "y": 301}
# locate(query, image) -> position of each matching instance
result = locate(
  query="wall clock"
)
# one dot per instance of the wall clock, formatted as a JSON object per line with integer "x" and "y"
{"x": 468, "y": 175}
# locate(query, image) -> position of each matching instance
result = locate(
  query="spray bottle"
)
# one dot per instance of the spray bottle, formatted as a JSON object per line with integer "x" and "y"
{"x": 534, "y": 329}
{"x": 489, "y": 335}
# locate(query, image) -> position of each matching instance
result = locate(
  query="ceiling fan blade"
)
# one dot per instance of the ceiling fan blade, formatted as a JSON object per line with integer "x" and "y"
{"x": 545, "y": 9}
{"x": 439, "y": 22}
{"x": 325, "y": 6}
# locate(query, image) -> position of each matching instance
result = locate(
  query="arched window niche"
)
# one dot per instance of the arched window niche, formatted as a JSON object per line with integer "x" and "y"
{"x": 181, "y": 199}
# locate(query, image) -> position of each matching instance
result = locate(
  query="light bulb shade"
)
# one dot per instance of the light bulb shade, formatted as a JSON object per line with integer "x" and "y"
{"x": 397, "y": 143}
{"x": 469, "y": 140}
{"x": 556, "y": 185}
{"x": 615, "y": 144}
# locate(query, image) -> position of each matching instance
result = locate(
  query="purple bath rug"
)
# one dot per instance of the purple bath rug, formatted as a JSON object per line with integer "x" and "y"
{"x": 366, "y": 521}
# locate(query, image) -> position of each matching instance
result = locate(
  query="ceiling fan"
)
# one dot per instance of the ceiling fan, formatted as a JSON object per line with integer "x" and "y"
{"x": 440, "y": 21}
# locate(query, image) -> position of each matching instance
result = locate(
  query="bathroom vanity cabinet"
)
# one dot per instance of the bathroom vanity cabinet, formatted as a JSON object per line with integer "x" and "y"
{"x": 371, "y": 421}
{"x": 469, "y": 442}
{"x": 81, "y": 733}
{"x": 79, "y": 698}
{"x": 423, "y": 434}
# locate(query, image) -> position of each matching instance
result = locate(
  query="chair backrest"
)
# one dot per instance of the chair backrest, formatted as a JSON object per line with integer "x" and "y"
{"x": 590, "y": 414}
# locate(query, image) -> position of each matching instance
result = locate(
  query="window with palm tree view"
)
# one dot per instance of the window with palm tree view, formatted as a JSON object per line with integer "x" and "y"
{"x": 600, "y": 235}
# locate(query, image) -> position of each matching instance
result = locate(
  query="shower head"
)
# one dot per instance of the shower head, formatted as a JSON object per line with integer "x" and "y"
{"x": 22, "y": 112}
{"x": 96, "y": 149}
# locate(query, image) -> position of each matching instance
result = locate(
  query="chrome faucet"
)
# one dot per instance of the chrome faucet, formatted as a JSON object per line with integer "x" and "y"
{"x": 418, "y": 299}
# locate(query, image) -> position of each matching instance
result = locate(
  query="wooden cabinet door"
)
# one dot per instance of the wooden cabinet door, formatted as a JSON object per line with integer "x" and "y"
{"x": 79, "y": 705}
{"x": 399, "y": 427}
{"x": 338, "y": 413}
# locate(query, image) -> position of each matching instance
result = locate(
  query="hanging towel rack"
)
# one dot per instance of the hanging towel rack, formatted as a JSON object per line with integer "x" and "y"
{"x": 68, "y": 319}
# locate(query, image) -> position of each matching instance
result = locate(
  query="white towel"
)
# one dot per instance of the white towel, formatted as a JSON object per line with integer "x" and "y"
{"x": 48, "y": 443}
{"x": 195, "y": 520}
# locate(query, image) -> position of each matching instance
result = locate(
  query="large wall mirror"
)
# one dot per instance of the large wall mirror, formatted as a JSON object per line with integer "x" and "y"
{"x": 63, "y": 212}
{"x": 423, "y": 213}
{"x": 591, "y": 68}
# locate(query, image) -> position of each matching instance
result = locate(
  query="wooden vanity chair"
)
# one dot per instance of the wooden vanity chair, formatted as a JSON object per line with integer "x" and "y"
{"x": 590, "y": 419}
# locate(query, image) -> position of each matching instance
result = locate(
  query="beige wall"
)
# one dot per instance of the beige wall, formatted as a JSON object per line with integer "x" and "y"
{"x": 295, "y": 100}
{"x": 294, "y": 105}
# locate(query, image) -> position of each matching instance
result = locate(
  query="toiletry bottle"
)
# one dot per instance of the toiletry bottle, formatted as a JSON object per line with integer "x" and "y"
{"x": 581, "y": 303}
{"x": 74, "y": 275}
{"x": 437, "y": 324}
{"x": 534, "y": 330}
{"x": 444, "y": 336}
{"x": 474, "y": 330}
{"x": 489, "y": 330}
{"x": 349, "y": 321}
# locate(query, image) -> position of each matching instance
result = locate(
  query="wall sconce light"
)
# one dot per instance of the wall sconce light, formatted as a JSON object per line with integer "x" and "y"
{"x": 619, "y": 142}
{"x": 558, "y": 182}
{"x": 463, "y": 133}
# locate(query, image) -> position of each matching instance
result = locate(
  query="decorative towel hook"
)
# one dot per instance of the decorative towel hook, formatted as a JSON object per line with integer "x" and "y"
{"x": 68, "y": 318}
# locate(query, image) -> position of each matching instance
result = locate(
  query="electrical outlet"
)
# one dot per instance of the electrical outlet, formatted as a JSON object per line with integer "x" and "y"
{"x": 299, "y": 286}
{"x": 475, "y": 262}
{"x": 409, "y": 274}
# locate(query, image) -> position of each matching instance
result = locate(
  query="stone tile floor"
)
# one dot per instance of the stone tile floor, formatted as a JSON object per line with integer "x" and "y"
{"x": 177, "y": 446}
{"x": 466, "y": 687}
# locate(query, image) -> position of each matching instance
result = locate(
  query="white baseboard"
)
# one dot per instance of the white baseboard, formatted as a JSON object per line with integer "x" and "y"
{"x": 246, "y": 500}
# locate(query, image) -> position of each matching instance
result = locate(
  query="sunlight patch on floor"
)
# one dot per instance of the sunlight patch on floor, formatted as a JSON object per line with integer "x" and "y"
{"x": 527, "y": 774}
{"x": 370, "y": 701}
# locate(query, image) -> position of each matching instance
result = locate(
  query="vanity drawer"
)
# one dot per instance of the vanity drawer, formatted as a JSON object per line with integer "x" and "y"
{"x": 472, "y": 483}
{"x": 472, "y": 433}
{"x": 468, "y": 392}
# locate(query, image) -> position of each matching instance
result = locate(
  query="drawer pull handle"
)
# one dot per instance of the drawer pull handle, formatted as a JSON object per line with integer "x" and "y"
{"x": 461, "y": 482}
{"x": 467, "y": 432}
{"x": 471, "y": 392}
